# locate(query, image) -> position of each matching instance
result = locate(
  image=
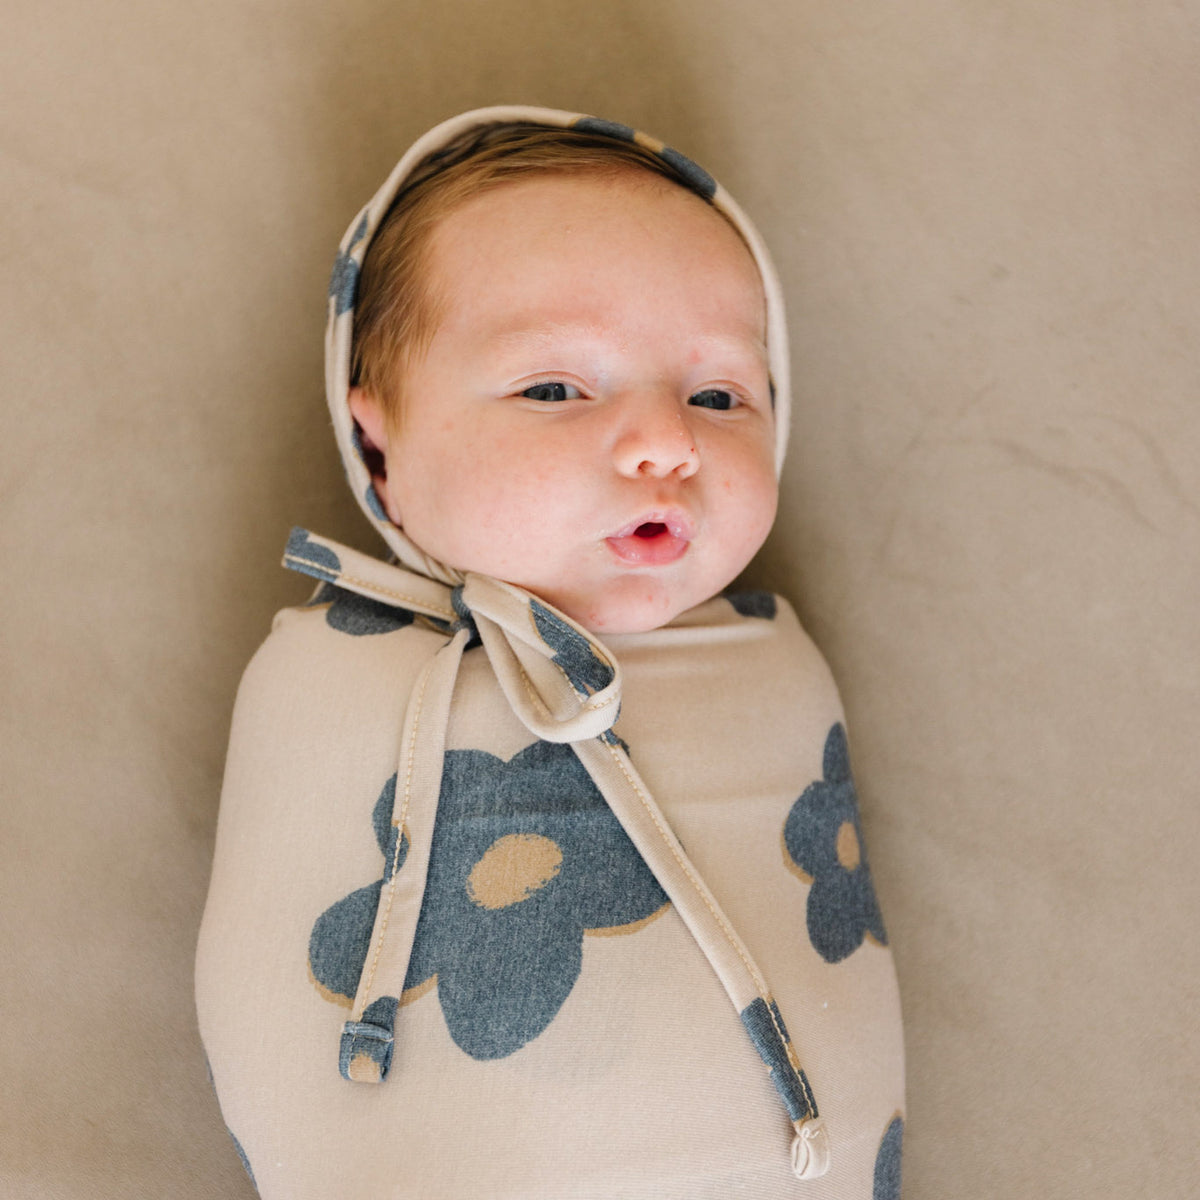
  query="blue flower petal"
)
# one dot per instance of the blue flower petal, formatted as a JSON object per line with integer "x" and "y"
{"x": 359, "y": 616}
{"x": 753, "y": 604}
{"x": 610, "y": 129}
{"x": 341, "y": 935}
{"x": 311, "y": 558}
{"x": 373, "y": 503}
{"x": 340, "y": 940}
{"x": 242, "y": 1155}
{"x": 343, "y": 282}
{"x": 572, "y": 652}
{"x": 386, "y": 833}
{"x": 888, "y": 1161}
{"x": 697, "y": 177}
{"x": 764, "y": 1024}
{"x": 507, "y": 977}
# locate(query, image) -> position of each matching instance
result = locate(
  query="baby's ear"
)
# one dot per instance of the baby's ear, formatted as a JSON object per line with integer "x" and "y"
{"x": 372, "y": 424}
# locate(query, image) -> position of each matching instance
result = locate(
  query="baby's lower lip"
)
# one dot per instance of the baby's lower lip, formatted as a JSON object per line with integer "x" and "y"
{"x": 651, "y": 544}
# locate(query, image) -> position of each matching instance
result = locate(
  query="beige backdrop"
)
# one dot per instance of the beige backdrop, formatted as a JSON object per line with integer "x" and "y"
{"x": 985, "y": 213}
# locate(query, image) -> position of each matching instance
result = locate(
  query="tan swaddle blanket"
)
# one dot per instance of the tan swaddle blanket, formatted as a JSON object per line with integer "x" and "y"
{"x": 495, "y": 905}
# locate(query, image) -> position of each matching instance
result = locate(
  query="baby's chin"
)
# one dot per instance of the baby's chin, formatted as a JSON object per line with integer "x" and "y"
{"x": 637, "y": 606}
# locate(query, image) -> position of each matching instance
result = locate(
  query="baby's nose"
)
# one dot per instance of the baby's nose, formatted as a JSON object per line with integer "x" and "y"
{"x": 656, "y": 440}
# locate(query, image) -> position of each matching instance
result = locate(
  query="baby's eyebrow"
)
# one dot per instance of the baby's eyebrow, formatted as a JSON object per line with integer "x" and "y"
{"x": 584, "y": 336}
{"x": 720, "y": 344}
{"x": 521, "y": 336}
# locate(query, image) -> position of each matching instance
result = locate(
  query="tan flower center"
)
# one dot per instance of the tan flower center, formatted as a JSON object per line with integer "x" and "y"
{"x": 512, "y": 869}
{"x": 849, "y": 853}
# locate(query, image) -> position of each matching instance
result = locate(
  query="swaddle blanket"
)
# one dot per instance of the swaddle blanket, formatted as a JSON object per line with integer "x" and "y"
{"x": 495, "y": 905}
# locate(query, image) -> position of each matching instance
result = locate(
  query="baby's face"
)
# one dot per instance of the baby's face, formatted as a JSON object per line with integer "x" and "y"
{"x": 592, "y": 420}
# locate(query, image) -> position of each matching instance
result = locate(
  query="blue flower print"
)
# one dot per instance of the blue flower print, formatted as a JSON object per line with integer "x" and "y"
{"x": 753, "y": 604}
{"x": 232, "y": 1136}
{"x": 697, "y": 177}
{"x": 358, "y": 615}
{"x": 242, "y": 1155}
{"x": 341, "y": 936}
{"x": 365, "y": 1052}
{"x": 573, "y": 655}
{"x": 309, "y": 557}
{"x": 572, "y": 652}
{"x": 526, "y": 858}
{"x": 612, "y": 129}
{"x": 371, "y": 496}
{"x": 823, "y": 843}
{"x": 887, "y": 1162}
{"x": 343, "y": 281}
{"x": 764, "y": 1024}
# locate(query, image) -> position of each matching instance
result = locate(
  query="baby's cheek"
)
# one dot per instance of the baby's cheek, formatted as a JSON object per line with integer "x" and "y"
{"x": 513, "y": 536}
{"x": 748, "y": 504}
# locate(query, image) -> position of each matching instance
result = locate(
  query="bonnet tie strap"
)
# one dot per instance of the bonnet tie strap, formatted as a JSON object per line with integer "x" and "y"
{"x": 565, "y": 686}
{"x": 368, "y": 1037}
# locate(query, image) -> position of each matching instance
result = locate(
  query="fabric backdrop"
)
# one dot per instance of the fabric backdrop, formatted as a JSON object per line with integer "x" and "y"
{"x": 985, "y": 216}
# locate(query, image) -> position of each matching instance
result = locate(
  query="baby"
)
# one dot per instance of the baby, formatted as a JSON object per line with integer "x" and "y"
{"x": 518, "y": 825}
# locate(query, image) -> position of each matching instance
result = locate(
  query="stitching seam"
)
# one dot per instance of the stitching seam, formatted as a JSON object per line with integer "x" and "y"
{"x": 587, "y": 704}
{"x": 592, "y": 704}
{"x": 447, "y": 613}
{"x": 386, "y": 591}
{"x": 409, "y": 756}
{"x": 793, "y": 1058}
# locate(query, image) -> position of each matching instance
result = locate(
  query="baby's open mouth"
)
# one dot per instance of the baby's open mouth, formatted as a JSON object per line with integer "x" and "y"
{"x": 650, "y": 529}
{"x": 653, "y": 542}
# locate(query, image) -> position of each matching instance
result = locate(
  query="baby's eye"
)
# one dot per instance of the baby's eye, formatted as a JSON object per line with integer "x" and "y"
{"x": 717, "y": 398}
{"x": 552, "y": 391}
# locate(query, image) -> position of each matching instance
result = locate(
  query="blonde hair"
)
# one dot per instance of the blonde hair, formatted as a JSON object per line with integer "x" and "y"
{"x": 396, "y": 310}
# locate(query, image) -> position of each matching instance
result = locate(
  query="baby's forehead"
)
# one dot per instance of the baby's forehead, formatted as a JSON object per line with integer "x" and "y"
{"x": 649, "y": 199}
{"x": 562, "y": 204}
{"x": 588, "y": 249}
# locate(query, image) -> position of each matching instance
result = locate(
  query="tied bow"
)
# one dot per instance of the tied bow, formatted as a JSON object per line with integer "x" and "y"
{"x": 561, "y": 683}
